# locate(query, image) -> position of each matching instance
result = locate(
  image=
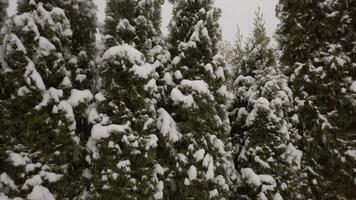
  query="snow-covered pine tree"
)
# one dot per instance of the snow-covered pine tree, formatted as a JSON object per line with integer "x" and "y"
{"x": 39, "y": 145}
{"x": 200, "y": 158}
{"x": 81, "y": 49}
{"x": 123, "y": 141}
{"x": 136, "y": 23}
{"x": 262, "y": 132}
{"x": 318, "y": 52}
{"x": 233, "y": 53}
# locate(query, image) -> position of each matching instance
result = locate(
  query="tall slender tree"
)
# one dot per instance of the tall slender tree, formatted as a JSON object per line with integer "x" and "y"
{"x": 319, "y": 58}
{"x": 134, "y": 22}
{"x": 39, "y": 144}
{"x": 200, "y": 166}
{"x": 262, "y": 130}
{"x": 124, "y": 139}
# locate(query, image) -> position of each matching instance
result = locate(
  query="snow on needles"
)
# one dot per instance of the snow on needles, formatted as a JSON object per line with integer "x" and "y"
{"x": 167, "y": 126}
{"x": 124, "y": 51}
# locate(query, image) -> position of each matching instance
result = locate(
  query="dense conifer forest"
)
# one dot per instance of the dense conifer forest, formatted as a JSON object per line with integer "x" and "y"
{"x": 121, "y": 111}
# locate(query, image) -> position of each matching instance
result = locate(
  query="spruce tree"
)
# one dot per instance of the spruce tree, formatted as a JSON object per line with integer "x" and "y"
{"x": 134, "y": 22}
{"x": 233, "y": 53}
{"x": 319, "y": 57}
{"x": 124, "y": 138}
{"x": 200, "y": 165}
{"x": 39, "y": 145}
{"x": 263, "y": 133}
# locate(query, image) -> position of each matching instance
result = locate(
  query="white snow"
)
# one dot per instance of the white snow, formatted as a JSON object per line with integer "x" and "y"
{"x": 31, "y": 167}
{"x": 262, "y": 104}
{"x": 124, "y": 25}
{"x": 249, "y": 175}
{"x": 33, "y": 181}
{"x": 49, "y": 95}
{"x": 18, "y": 159}
{"x": 100, "y": 97}
{"x": 198, "y": 85}
{"x": 81, "y": 78}
{"x": 143, "y": 71}
{"x": 6, "y": 180}
{"x": 40, "y": 193}
{"x": 208, "y": 162}
{"x": 124, "y": 51}
{"x": 277, "y": 196}
{"x": 45, "y": 47}
{"x": 176, "y": 60}
{"x": 223, "y": 91}
{"x": 50, "y": 177}
{"x": 27, "y": 23}
{"x": 168, "y": 79}
{"x": 353, "y": 86}
{"x": 192, "y": 173}
{"x": 294, "y": 156}
{"x": 199, "y": 155}
{"x": 65, "y": 107}
{"x": 351, "y": 154}
{"x": 213, "y": 193}
{"x": 178, "y": 75}
{"x": 220, "y": 73}
{"x": 66, "y": 82}
{"x": 159, "y": 194}
{"x": 32, "y": 76}
{"x": 99, "y": 132}
{"x": 79, "y": 96}
{"x": 167, "y": 126}
{"x": 179, "y": 98}
{"x": 151, "y": 86}
{"x": 159, "y": 169}
{"x": 261, "y": 162}
{"x": 125, "y": 165}
{"x": 209, "y": 68}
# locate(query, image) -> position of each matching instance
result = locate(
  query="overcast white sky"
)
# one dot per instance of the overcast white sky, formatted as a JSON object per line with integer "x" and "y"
{"x": 235, "y": 12}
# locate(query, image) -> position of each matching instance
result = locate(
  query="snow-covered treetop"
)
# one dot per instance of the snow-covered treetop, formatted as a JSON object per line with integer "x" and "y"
{"x": 135, "y": 22}
{"x": 195, "y": 21}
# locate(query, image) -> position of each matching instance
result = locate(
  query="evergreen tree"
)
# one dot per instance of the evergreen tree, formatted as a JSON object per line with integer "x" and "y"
{"x": 134, "y": 22}
{"x": 80, "y": 51}
{"x": 319, "y": 57}
{"x": 199, "y": 160}
{"x": 124, "y": 139}
{"x": 263, "y": 133}
{"x": 39, "y": 144}
{"x": 233, "y": 54}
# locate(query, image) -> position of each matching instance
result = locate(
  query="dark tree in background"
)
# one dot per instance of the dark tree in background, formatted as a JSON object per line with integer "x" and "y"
{"x": 318, "y": 52}
{"x": 202, "y": 167}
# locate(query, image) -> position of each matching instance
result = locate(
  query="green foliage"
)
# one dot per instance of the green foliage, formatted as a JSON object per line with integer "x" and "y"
{"x": 134, "y": 22}
{"x": 315, "y": 38}
{"x": 200, "y": 164}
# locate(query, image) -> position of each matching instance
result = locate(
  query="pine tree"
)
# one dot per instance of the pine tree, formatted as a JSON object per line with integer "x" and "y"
{"x": 263, "y": 133}
{"x": 200, "y": 164}
{"x": 233, "y": 53}
{"x": 319, "y": 57}
{"x": 81, "y": 48}
{"x": 39, "y": 144}
{"x": 134, "y": 22}
{"x": 124, "y": 139}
